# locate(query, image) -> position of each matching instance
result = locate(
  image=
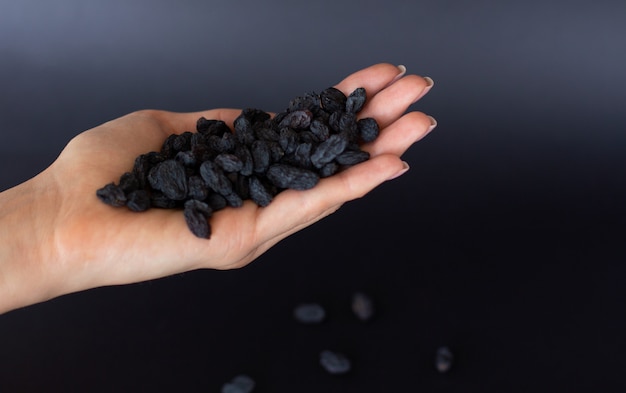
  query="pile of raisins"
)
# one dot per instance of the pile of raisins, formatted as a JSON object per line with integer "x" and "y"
{"x": 201, "y": 172}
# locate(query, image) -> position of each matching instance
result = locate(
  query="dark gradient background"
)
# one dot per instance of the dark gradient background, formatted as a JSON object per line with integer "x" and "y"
{"x": 505, "y": 240}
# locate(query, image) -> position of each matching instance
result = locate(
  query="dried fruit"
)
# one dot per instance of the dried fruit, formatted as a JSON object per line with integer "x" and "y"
{"x": 335, "y": 362}
{"x": 443, "y": 359}
{"x": 309, "y": 313}
{"x": 362, "y": 306}
{"x": 201, "y": 172}
{"x": 240, "y": 384}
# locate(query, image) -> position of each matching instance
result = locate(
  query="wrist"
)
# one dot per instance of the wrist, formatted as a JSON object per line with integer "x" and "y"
{"x": 26, "y": 244}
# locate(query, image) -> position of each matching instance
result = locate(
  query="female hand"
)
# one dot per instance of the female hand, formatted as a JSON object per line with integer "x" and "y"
{"x": 58, "y": 238}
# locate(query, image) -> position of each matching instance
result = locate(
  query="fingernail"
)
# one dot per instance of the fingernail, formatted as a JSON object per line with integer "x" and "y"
{"x": 405, "y": 167}
{"x": 402, "y": 70}
{"x": 429, "y": 84}
{"x": 433, "y": 124}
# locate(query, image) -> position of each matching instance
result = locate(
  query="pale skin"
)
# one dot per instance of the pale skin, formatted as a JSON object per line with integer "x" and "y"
{"x": 57, "y": 238}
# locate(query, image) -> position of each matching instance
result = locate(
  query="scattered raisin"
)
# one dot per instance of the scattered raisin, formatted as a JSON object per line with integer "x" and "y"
{"x": 335, "y": 362}
{"x": 309, "y": 313}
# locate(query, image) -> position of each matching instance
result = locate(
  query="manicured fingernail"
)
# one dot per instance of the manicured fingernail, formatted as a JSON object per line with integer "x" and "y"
{"x": 405, "y": 167}
{"x": 433, "y": 123}
{"x": 402, "y": 70}
{"x": 429, "y": 84}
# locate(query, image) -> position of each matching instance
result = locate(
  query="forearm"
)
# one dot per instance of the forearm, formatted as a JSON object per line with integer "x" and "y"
{"x": 26, "y": 244}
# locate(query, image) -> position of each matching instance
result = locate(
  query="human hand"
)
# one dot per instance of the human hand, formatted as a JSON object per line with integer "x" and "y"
{"x": 84, "y": 243}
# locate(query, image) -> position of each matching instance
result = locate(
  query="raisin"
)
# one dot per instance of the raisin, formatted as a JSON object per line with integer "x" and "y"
{"x": 129, "y": 182}
{"x": 260, "y": 155}
{"x": 328, "y": 150}
{"x": 335, "y": 362}
{"x": 255, "y": 116}
{"x": 197, "y": 188}
{"x": 267, "y": 134}
{"x": 196, "y": 215}
{"x": 233, "y": 199}
{"x": 362, "y": 306}
{"x": 352, "y": 157}
{"x": 215, "y": 178}
{"x": 157, "y": 199}
{"x": 300, "y": 119}
{"x": 356, "y": 100}
{"x": 243, "y": 130}
{"x": 229, "y": 162}
{"x": 187, "y": 158}
{"x": 309, "y": 313}
{"x": 302, "y": 155}
{"x": 170, "y": 178}
{"x": 320, "y": 129}
{"x": 288, "y": 140}
{"x": 247, "y": 162}
{"x": 329, "y": 169}
{"x": 216, "y": 201}
{"x": 443, "y": 359}
{"x": 240, "y": 384}
{"x": 287, "y": 176}
{"x": 309, "y": 101}
{"x": 368, "y": 129}
{"x": 333, "y": 100}
{"x": 258, "y": 192}
{"x": 112, "y": 195}
{"x": 138, "y": 200}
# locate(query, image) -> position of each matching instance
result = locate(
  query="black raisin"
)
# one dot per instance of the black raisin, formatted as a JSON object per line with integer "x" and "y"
{"x": 288, "y": 140}
{"x": 352, "y": 157}
{"x": 333, "y": 100}
{"x": 112, "y": 195}
{"x": 247, "y": 162}
{"x": 287, "y": 176}
{"x": 215, "y": 179}
{"x": 356, "y": 100}
{"x": 329, "y": 169}
{"x": 260, "y": 155}
{"x": 335, "y": 362}
{"x": 243, "y": 130}
{"x": 197, "y": 215}
{"x": 368, "y": 129}
{"x": 320, "y": 129}
{"x": 443, "y": 359}
{"x": 187, "y": 158}
{"x": 129, "y": 182}
{"x": 233, "y": 199}
{"x": 229, "y": 162}
{"x": 216, "y": 201}
{"x": 240, "y": 384}
{"x": 362, "y": 306}
{"x": 197, "y": 188}
{"x": 170, "y": 178}
{"x": 255, "y": 115}
{"x": 138, "y": 200}
{"x": 329, "y": 150}
{"x": 300, "y": 119}
{"x": 309, "y": 313}
{"x": 157, "y": 199}
{"x": 258, "y": 192}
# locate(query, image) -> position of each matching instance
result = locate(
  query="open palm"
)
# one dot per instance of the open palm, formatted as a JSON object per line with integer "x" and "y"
{"x": 94, "y": 244}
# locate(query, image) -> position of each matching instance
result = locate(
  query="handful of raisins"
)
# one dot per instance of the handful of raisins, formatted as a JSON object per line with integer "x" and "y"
{"x": 201, "y": 172}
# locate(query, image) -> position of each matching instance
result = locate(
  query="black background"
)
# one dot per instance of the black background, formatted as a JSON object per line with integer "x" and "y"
{"x": 505, "y": 240}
